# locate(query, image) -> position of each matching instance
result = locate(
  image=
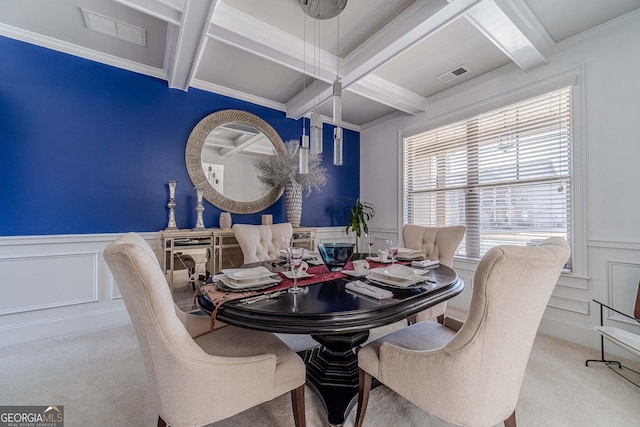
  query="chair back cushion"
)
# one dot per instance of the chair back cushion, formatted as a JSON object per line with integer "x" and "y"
{"x": 261, "y": 242}
{"x": 476, "y": 377}
{"x": 163, "y": 339}
{"x": 437, "y": 243}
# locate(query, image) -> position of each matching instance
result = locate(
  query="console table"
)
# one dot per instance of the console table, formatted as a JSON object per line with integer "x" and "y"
{"x": 221, "y": 249}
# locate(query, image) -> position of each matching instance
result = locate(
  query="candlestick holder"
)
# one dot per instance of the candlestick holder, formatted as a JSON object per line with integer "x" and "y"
{"x": 199, "y": 209}
{"x": 172, "y": 205}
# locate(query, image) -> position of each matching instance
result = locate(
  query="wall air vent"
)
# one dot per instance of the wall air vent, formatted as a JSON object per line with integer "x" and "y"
{"x": 109, "y": 26}
{"x": 453, "y": 74}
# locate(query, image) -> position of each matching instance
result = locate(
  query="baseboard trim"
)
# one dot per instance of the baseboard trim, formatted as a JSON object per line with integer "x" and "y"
{"x": 64, "y": 326}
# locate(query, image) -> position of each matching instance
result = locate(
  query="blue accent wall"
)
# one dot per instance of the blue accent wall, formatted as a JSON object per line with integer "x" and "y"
{"x": 88, "y": 148}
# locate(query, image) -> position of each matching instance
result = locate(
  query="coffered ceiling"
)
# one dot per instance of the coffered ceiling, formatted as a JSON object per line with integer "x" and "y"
{"x": 389, "y": 53}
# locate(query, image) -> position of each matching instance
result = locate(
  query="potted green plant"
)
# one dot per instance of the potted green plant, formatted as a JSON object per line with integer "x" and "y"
{"x": 284, "y": 171}
{"x": 360, "y": 213}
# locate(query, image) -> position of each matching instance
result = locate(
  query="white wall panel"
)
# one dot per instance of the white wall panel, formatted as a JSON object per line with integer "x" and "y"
{"x": 622, "y": 286}
{"x": 60, "y": 280}
{"x": 57, "y": 286}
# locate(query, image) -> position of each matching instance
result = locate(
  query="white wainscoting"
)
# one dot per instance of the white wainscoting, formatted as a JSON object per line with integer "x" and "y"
{"x": 334, "y": 234}
{"x": 614, "y": 272}
{"x": 60, "y": 285}
{"x": 56, "y": 286}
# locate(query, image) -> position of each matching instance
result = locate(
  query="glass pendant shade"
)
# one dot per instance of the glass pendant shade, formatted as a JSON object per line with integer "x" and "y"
{"x": 337, "y": 146}
{"x": 304, "y": 155}
{"x": 316, "y": 133}
{"x": 337, "y": 102}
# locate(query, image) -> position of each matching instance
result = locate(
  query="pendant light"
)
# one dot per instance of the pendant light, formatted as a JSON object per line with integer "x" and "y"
{"x": 303, "y": 150}
{"x": 326, "y": 9}
{"x": 337, "y": 105}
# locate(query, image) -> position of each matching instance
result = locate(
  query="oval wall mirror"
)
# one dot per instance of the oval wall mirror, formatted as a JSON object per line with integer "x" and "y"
{"x": 220, "y": 154}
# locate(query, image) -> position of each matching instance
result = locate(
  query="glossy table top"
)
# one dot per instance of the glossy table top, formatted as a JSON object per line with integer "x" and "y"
{"x": 328, "y": 308}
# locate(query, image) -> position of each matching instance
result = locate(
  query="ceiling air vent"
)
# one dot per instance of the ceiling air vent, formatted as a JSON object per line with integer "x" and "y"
{"x": 453, "y": 74}
{"x": 111, "y": 27}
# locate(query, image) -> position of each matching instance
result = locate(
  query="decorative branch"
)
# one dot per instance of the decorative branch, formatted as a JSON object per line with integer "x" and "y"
{"x": 283, "y": 169}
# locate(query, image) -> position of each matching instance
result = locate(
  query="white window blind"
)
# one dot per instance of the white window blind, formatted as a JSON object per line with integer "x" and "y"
{"x": 505, "y": 174}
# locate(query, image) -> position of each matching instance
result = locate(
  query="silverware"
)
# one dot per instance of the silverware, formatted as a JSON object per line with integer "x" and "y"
{"x": 257, "y": 298}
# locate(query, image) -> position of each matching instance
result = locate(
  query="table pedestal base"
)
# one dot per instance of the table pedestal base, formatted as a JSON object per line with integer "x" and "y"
{"x": 332, "y": 370}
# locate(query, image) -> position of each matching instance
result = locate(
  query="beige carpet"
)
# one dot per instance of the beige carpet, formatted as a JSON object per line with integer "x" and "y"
{"x": 99, "y": 378}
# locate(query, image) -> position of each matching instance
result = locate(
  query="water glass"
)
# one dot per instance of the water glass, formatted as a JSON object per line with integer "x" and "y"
{"x": 295, "y": 255}
{"x": 392, "y": 244}
{"x": 370, "y": 238}
{"x": 285, "y": 244}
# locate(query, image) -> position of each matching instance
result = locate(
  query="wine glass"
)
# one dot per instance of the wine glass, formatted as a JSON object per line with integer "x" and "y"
{"x": 393, "y": 249}
{"x": 286, "y": 245}
{"x": 370, "y": 238}
{"x": 295, "y": 260}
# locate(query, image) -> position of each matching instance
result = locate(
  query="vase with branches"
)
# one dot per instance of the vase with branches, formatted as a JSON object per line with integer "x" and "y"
{"x": 283, "y": 170}
{"x": 360, "y": 213}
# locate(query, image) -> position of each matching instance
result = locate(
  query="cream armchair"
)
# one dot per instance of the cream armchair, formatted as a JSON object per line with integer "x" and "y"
{"x": 261, "y": 242}
{"x": 472, "y": 377}
{"x": 437, "y": 243}
{"x": 197, "y": 377}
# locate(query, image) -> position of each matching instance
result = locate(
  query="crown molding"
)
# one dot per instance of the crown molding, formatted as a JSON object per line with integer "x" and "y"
{"x": 79, "y": 51}
{"x": 233, "y": 93}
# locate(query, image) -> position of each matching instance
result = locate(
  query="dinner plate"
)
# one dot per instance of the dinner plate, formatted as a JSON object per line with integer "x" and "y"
{"x": 226, "y": 287}
{"x": 395, "y": 281}
{"x": 301, "y": 274}
{"x": 248, "y": 284}
{"x": 400, "y": 271}
{"x": 247, "y": 274}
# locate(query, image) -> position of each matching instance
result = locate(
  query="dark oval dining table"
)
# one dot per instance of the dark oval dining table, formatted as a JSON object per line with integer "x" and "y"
{"x": 338, "y": 319}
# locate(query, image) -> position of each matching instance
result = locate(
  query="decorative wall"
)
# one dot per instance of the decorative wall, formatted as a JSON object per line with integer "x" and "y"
{"x": 88, "y": 148}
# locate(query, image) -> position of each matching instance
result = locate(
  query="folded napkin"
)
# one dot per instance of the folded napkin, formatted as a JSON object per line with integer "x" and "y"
{"x": 368, "y": 290}
{"x": 424, "y": 263}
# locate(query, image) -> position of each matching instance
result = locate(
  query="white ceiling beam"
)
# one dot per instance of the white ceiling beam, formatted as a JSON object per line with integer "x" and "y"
{"x": 387, "y": 93}
{"x": 515, "y": 30}
{"x": 245, "y": 32}
{"x": 160, "y": 10}
{"x": 419, "y": 21}
{"x": 187, "y": 46}
{"x": 248, "y": 141}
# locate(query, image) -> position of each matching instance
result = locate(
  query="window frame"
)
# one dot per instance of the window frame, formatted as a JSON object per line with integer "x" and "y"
{"x": 572, "y": 78}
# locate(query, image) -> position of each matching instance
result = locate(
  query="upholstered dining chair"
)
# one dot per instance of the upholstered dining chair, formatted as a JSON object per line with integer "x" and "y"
{"x": 437, "y": 243}
{"x": 197, "y": 377}
{"x": 261, "y": 242}
{"x": 472, "y": 376}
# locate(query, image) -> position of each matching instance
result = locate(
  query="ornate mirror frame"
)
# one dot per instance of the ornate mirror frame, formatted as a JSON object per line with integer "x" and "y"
{"x": 193, "y": 156}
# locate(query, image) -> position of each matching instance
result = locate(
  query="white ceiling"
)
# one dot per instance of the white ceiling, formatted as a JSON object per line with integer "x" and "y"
{"x": 391, "y": 52}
